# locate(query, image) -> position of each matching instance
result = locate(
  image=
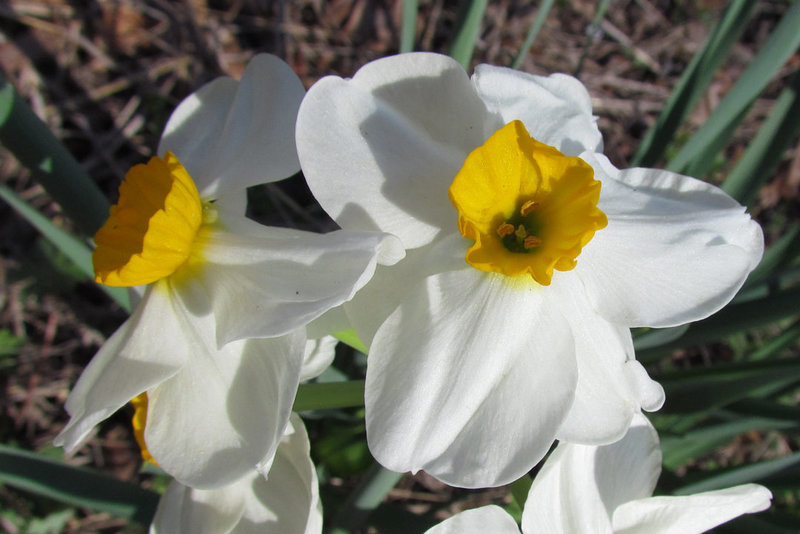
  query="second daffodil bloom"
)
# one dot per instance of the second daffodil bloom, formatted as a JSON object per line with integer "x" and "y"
{"x": 529, "y": 258}
{"x": 213, "y": 351}
{"x": 584, "y": 489}
{"x": 283, "y": 501}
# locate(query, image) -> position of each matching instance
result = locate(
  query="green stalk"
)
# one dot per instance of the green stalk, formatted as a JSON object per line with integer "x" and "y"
{"x": 467, "y": 30}
{"x": 377, "y": 483}
{"x": 594, "y": 27}
{"x": 32, "y": 143}
{"x": 733, "y": 318}
{"x": 693, "y": 82}
{"x": 696, "y": 156}
{"x": 76, "y": 486}
{"x": 329, "y": 395}
{"x": 764, "y": 152}
{"x": 408, "y": 29}
{"x": 541, "y": 16}
{"x": 76, "y": 250}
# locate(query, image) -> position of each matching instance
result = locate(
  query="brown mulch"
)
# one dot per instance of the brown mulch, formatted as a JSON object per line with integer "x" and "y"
{"x": 104, "y": 75}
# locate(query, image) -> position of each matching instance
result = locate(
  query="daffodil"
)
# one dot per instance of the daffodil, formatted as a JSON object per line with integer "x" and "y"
{"x": 529, "y": 258}
{"x": 214, "y": 350}
{"x": 583, "y": 489}
{"x": 284, "y": 501}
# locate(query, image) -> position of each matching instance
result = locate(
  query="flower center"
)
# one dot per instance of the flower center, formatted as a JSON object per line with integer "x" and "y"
{"x": 150, "y": 230}
{"x": 529, "y": 208}
{"x": 139, "y": 420}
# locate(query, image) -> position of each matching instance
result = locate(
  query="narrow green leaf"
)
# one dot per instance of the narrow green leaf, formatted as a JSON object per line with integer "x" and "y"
{"x": 32, "y": 143}
{"x": 408, "y": 30}
{"x": 592, "y": 33}
{"x": 519, "y": 490}
{"x": 694, "y": 81}
{"x": 768, "y": 523}
{"x": 760, "y": 472}
{"x": 374, "y": 487}
{"x": 390, "y": 518}
{"x": 349, "y": 337}
{"x": 780, "y": 46}
{"x": 764, "y": 152}
{"x": 733, "y": 318}
{"x": 702, "y": 164}
{"x": 779, "y": 255}
{"x": 324, "y": 396}
{"x": 75, "y": 486}
{"x": 656, "y": 337}
{"x": 786, "y": 339}
{"x": 468, "y": 28}
{"x": 777, "y": 282}
{"x": 765, "y": 409}
{"x": 541, "y": 16}
{"x": 76, "y": 250}
{"x": 697, "y": 390}
{"x": 679, "y": 449}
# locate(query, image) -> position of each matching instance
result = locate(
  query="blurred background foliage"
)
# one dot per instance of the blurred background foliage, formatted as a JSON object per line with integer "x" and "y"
{"x": 707, "y": 88}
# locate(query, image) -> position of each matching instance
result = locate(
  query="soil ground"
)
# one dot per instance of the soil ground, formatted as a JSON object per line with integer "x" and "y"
{"x": 104, "y": 75}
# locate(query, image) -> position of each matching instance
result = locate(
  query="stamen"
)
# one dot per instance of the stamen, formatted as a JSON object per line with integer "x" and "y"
{"x": 527, "y": 207}
{"x": 505, "y": 229}
{"x": 531, "y": 242}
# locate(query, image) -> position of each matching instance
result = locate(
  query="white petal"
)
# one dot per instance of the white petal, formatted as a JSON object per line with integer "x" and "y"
{"x": 580, "y": 486}
{"x": 222, "y": 413}
{"x": 319, "y": 356}
{"x": 469, "y": 379}
{"x": 380, "y": 297}
{"x": 691, "y": 514}
{"x": 556, "y": 109}
{"x": 146, "y": 350}
{"x": 271, "y": 284}
{"x": 628, "y": 469}
{"x": 230, "y": 135}
{"x": 611, "y": 385}
{"x": 675, "y": 250}
{"x": 477, "y": 521}
{"x": 287, "y": 501}
{"x": 330, "y": 322}
{"x": 380, "y": 151}
{"x": 183, "y": 509}
{"x": 564, "y": 497}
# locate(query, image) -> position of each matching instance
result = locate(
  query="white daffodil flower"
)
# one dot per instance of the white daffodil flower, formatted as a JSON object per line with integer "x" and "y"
{"x": 607, "y": 489}
{"x": 215, "y": 400}
{"x": 529, "y": 258}
{"x": 285, "y": 501}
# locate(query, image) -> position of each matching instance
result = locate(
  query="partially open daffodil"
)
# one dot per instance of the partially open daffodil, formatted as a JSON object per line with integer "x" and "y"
{"x": 583, "y": 489}
{"x": 285, "y": 500}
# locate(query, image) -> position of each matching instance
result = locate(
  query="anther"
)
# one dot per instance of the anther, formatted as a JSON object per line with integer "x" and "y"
{"x": 527, "y": 207}
{"x": 505, "y": 229}
{"x": 531, "y": 242}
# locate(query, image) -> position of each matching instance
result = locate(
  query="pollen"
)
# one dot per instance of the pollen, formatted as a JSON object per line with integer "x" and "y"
{"x": 531, "y": 242}
{"x": 151, "y": 229}
{"x": 505, "y": 229}
{"x": 529, "y": 208}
